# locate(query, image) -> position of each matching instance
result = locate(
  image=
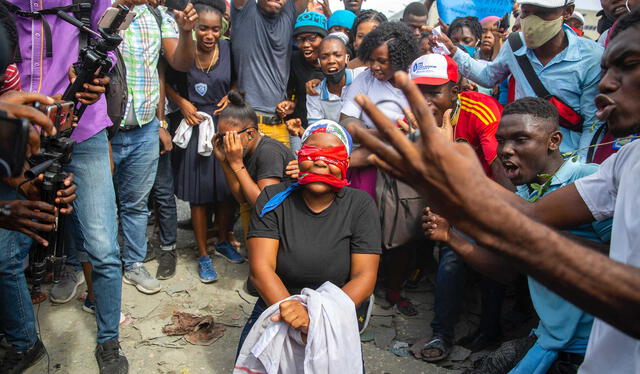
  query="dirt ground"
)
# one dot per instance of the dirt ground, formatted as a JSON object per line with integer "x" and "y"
{"x": 69, "y": 333}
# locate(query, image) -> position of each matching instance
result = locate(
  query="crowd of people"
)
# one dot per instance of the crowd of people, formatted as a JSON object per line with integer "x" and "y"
{"x": 350, "y": 149}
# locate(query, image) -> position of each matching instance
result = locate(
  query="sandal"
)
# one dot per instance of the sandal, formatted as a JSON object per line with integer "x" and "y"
{"x": 439, "y": 343}
{"x": 406, "y": 307}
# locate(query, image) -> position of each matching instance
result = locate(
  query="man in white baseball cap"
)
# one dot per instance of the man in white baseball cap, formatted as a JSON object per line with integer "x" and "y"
{"x": 576, "y": 22}
{"x": 561, "y": 66}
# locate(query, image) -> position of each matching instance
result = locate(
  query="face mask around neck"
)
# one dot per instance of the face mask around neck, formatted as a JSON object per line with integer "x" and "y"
{"x": 335, "y": 78}
{"x": 538, "y": 31}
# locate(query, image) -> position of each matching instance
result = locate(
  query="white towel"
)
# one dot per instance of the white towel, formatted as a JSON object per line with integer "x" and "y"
{"x": 333, "y": 342}
{"x": 206, "y": 132}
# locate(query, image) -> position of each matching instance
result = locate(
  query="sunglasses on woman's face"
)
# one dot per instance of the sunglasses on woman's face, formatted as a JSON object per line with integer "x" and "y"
{"x": 218, "y": 137}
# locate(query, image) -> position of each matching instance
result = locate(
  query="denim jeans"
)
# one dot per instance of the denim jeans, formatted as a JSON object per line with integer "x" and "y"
{"x": 450, "y": 282}
{"x": 135, "y": 155}
{"x": 162, "y": 193}
{"x": 258, "y": 309}
{"x": 94, "y": 229}
{"x": 17, "y": 320}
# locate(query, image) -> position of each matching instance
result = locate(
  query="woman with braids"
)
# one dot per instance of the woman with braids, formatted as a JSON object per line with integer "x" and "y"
{"x": 199, "y": 179}
{"x": 390, "y": 48}
{"x": 366, "y": 22}
{"x": 313, "y": 231}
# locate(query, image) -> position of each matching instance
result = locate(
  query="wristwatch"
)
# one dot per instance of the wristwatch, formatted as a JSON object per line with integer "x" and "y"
{"x": 164, "y": 124}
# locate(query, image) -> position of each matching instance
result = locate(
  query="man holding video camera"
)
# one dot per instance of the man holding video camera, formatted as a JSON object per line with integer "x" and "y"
{"x": 48, "y": 47}
{"x": 22, "y": 219}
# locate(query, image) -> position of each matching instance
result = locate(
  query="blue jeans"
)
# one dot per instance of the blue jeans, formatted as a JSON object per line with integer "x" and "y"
{"x": 135, "y": 155}
{"x": 94, "y": 229}
{"x": 162, "y": 193}
{"x": 17, "y": 320}
{"x": 450, "y": 281}
{"x": 258, "y": 309}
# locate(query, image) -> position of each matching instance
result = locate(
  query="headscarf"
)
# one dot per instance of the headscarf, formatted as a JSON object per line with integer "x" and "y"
{"x": 337, "y": 156}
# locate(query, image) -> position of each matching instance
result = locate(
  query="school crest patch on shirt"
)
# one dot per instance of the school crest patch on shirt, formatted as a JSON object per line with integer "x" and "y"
{"x": 201, "y": 88}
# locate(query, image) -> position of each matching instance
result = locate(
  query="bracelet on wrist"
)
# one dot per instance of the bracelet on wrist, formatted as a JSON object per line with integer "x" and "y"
{"x": 235, "y": 171}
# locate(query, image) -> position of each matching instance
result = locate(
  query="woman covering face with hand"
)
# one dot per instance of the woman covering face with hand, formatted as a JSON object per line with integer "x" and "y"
{"x": 312, "y": 231}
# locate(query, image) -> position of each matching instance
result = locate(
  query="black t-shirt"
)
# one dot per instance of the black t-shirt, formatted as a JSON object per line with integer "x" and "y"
{"x": 268, "y": 160}
{"x": 317, "y": 247}
{"x": 301, "y": 73}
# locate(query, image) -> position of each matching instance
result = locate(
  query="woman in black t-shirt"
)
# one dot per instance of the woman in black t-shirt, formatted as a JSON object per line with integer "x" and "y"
{"x": 250, "y": 161}
{"x": 316, "y": 230}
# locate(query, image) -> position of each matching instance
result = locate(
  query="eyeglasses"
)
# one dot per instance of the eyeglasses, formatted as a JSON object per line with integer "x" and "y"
{"x": 309, "y": 39}
{"x": 218, "y": 137}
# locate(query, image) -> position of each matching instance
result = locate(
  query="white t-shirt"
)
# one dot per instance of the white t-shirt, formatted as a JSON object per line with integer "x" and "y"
{"x": 615, "y": 187}
{"x": 377, "y": 91}
{"x": 327, "y": 105}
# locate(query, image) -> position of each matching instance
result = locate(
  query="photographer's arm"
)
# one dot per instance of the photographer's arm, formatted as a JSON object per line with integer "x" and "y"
{"x": 181, "y": 52}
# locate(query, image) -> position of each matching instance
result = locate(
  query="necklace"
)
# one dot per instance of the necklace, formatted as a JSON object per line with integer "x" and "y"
{"x": 214, "y": 57}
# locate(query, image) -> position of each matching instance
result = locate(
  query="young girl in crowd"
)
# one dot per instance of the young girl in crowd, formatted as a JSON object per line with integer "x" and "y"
{"x": 390, "y": 48}
{"x": 313, "y": 231}
{"x": 250, "y": 161}
{"x": 199, "y": 179}
{"x": 366, "y": 22}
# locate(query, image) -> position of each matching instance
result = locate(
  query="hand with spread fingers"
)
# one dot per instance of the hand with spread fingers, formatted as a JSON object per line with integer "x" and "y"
{"x": 294, "y": 126}
{"x": 25, "y": 216}
{"x": 435, "y": 166}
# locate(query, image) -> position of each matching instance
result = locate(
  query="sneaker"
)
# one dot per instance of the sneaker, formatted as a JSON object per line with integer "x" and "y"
{"x": 206, "y": 271}
{"x": 226, "y": 250}
{"x": 65, "y": 290}
{"x": 110, "y": 358}
{"x": 17, "y": 362}
{"x": 166, "y": 264}
{"x": 139, "y": 277}
{"x": 90, "y": 307}
{"x": 363, "y": 312}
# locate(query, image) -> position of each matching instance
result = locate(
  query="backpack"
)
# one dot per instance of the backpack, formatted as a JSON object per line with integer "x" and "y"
{"x": 400, "y": 208}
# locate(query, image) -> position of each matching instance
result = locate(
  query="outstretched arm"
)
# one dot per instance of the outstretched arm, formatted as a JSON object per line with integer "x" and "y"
{"x": 444, "y": 172}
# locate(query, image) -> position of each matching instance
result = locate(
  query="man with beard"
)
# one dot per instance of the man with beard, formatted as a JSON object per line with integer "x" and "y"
{"x": 528, "y": 146}
{"x": 262, "y": 34}
{"x": 607, "y": 288}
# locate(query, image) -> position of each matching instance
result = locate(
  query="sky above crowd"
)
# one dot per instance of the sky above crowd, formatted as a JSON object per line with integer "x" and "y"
{"x": 391, "y": 7}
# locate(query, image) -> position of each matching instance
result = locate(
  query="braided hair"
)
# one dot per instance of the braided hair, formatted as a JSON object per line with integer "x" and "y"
{"x": 365, "y": 16}
{"x": 403, "y": 46}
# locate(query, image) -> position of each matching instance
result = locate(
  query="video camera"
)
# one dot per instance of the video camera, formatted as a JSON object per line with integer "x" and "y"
{"x": 93, "y": 58}
{"x": 56, "y": 150}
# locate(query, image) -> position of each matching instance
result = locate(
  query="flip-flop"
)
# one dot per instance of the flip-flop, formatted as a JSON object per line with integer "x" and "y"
{"x": 437, "y": 342}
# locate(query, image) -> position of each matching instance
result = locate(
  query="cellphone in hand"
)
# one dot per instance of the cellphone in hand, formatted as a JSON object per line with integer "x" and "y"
{"x": 176, "y": 4}
{"x": 14, "y": 134}
{"x": 60, "y": 114}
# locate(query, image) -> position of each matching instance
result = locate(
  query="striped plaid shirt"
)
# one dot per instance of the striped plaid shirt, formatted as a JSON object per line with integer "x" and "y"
{"x": 140, "y": 50}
